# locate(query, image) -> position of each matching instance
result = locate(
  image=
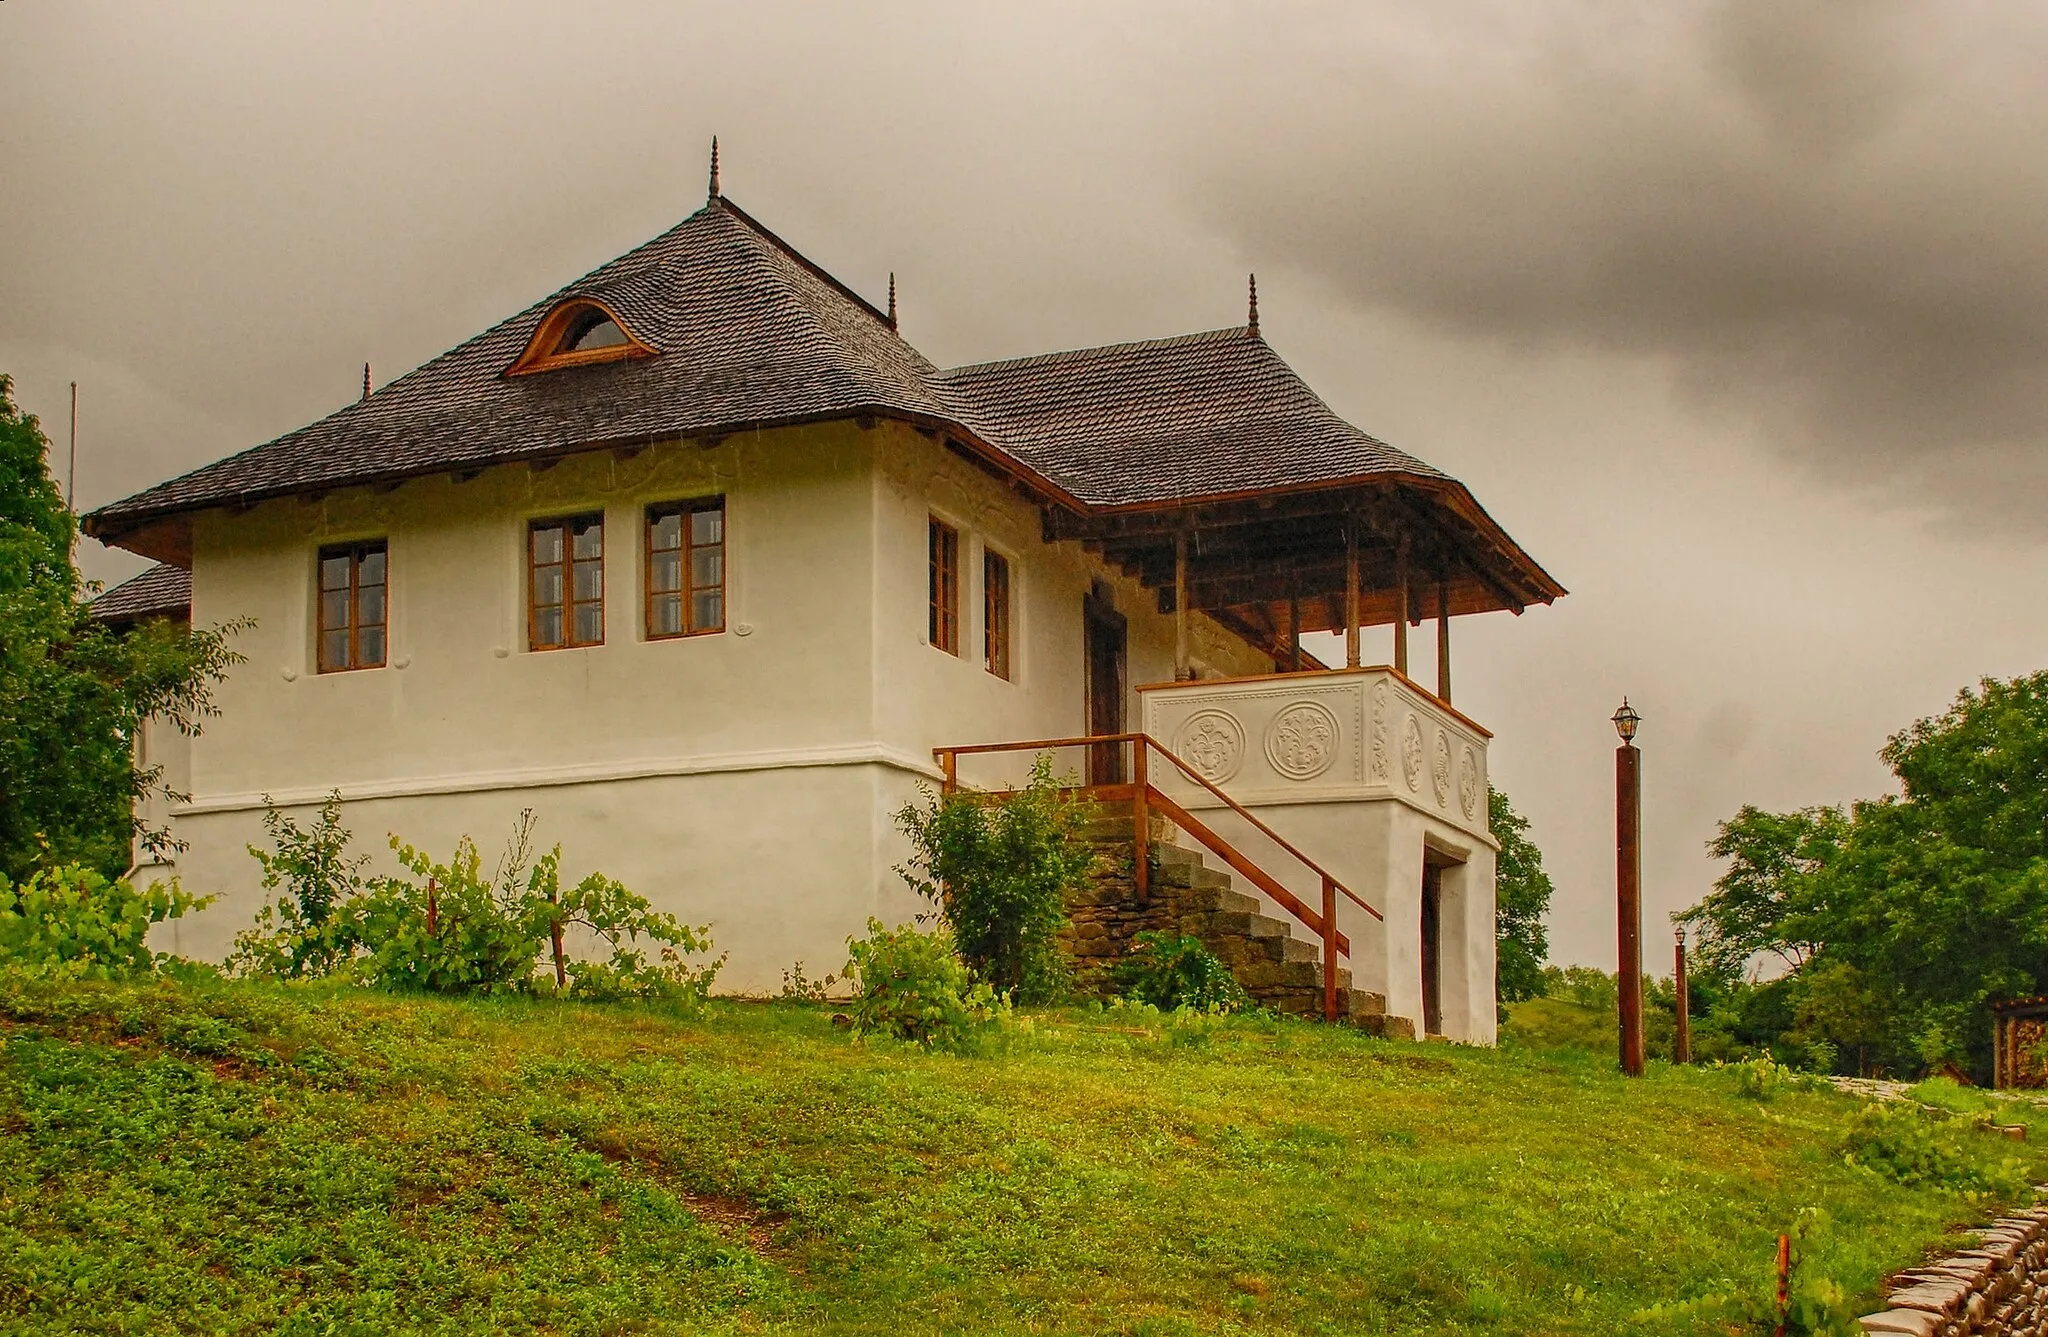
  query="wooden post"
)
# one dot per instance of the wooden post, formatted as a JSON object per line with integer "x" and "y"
{"x": 1682, "y": 1051}
{"x": 949, "y": 764}
{"x": 1329, "y": 949}
{"x": 1294, "y": 633}
{"x": 1182, "y": 671}
{"x": 1628, "y": 878}
{"x": 1141, "y": 820}
{"x": 1350, "y": 594}
{"x": 1443, "y": 639}
{"x": 1401, "y": 609}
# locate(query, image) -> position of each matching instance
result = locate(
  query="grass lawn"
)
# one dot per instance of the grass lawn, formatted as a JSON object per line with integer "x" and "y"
{"x": 241, "y": 1158}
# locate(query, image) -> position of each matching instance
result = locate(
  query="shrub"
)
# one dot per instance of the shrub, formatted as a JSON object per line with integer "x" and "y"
{"x": 1169, "y": 970}
{"x": 1905, "y": 1144}
{"x": 912, "y": 985}
{"x": 70, "y": 921}
{"x": 1000, "y": 870}
{"x": 300, "y": 934}
{"x": 459, "y": 932}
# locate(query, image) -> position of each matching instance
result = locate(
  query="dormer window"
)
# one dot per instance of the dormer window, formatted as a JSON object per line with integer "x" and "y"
{"x": 578, "y": 333}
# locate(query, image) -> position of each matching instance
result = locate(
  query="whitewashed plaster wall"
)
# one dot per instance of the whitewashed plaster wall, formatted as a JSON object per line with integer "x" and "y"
{"x": 747, "y": 780}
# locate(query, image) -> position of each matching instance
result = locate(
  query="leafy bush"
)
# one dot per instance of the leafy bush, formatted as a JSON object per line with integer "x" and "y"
{"x": 1000, "y": 870}
{"x": 72, "y": 922}
{"x": 1908, "y": 1145}
{"x": 455, "y": 931}
{"x": 300, "y": 934}
{"x": 1763, "y": 1077}
{"x": 1170, "y": 970}
{"x": 912, "y": 985}
{"x": 800, "y": 987}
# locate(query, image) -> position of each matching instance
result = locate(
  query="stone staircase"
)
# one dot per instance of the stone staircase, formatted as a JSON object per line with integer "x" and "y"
{"x": 1279, "y": 970}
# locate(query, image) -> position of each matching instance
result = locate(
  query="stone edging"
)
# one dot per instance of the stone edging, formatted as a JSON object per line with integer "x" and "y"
{"x": 1999, "y": 1289}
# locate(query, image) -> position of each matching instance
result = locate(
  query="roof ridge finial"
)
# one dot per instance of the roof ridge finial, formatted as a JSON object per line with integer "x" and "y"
{"x": 366, "y": 380}
{"x": 714, "y": 170}
{"x": 1253, "y": 323}
{"x": 892, "y": 299}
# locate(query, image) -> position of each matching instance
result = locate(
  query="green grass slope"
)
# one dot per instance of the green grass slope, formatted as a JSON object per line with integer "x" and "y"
{"x": 242, "y": 1158}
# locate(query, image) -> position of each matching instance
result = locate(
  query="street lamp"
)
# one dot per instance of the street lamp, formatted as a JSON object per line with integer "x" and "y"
{"x": 1628, "y": 885}
{"x": 1681, "y": 1045}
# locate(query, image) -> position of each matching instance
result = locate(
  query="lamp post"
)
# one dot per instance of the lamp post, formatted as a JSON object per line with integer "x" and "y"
{"x": 1628, "y": 885}
{"x": 1682, "y": 1047}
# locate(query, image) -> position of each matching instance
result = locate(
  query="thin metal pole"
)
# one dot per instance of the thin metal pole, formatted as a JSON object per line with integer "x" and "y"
{"x": 1628, "y": 878}
{"x": 1683, "y": 1048}
{"x": 71, "y": 476}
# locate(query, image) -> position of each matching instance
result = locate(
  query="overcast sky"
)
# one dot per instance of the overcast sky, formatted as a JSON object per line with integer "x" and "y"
{"x": 1734, "y": 314}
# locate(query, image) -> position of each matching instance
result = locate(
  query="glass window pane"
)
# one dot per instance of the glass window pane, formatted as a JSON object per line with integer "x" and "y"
{"x": 334, "y": 649}
{"x": 547, "y": 585}
{"x": 371, "y": 572}
{"x": 334, "y": 572}
{"x": 547, "y": 544}
{"x": 369, "y": 646}
{"x": 707, "y": 526}
{"x": 589, "y": 580}
{"x": 665, "y": 531}
{"x": 547, "y": 626}
{"x": 590, "y": 538}
{"x": 707, "y": 567}
{"x": 707, "y": 612}
{"x": 589, "y": 623}
{"x": 333, "y": 609}
{"x": 665, "y": 572}
{"x": 668, "y": 616}
{"x": 370, "y": 604}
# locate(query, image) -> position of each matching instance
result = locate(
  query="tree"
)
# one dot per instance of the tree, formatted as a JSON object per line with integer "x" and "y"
{"x": 73, "y": 693}
{"x": 1521, "y": 898}
{"x": 1771, "y": 900}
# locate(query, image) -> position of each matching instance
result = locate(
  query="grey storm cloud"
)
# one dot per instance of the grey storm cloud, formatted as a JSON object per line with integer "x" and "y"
{"x": 1825, "y": 218}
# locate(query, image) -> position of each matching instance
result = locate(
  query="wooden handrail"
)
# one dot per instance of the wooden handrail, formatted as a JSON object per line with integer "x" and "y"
{"x": 1144, "y": 795}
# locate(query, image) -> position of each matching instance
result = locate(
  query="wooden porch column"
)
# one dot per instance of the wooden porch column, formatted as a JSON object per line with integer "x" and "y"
{"x": 1443, "y": 640}
{"x": 1401, "y": 609}
{"x": 1294, "y": 633}
{"x": 1182, "y": 670}
{"x": 1350, "y": 594}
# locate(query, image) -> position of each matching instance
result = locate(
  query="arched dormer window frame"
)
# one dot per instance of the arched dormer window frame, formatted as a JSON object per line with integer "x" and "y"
{"x": 551, "y": 346}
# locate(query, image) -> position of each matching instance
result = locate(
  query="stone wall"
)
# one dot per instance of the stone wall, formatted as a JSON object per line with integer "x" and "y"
{"x": 1999, "y": 1289}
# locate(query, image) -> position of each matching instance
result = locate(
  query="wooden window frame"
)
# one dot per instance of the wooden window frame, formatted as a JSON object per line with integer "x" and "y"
{"x": 567, "y": 564}
{"x": 541, "y": 355}
{"x": 689, "y": 589}
{"x": 998, "y": 613}
{"x": 355, "y": 552}
{"x": 942, "y": 566}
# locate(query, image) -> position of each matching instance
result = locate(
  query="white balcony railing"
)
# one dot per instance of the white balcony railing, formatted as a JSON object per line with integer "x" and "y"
{"x": 1343, "y": 735}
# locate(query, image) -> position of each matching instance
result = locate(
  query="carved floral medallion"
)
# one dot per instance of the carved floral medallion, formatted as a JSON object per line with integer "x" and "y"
{"x": 1212, "y": 741}
{"x": 1440, "y": 769}
{"x": 1411, "y": 753}
{"x": 1382, "y": 752}
{"x": 1302, "y": 740}
{"x": 1468, "y": 783}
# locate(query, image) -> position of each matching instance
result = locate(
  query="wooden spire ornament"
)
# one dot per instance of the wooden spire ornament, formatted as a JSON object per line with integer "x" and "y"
{"x": 1253, "y": 323}
{"x": 714, "y": 170}
{"x": 366, "y": 380}
{"x": 892, "y": 299}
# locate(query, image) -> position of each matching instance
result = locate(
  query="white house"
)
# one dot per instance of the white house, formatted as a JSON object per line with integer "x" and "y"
{"x": 701, "y": 561}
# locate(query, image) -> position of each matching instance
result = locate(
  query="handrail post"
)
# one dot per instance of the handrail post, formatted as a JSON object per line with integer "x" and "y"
{"x": 1329, "y": 948}
{"x": 949, "y": 763}
{"x": 1141, "y": 821}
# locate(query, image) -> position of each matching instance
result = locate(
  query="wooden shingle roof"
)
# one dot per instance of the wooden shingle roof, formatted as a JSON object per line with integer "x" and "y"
{"x": 162, "y": 591}
{"x": 747, "y": 333}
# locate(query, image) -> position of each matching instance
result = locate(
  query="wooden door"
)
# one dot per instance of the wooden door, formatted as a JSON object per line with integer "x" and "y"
{"x": 1432, "y": 949}
{"x": 1105, "y": 650}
